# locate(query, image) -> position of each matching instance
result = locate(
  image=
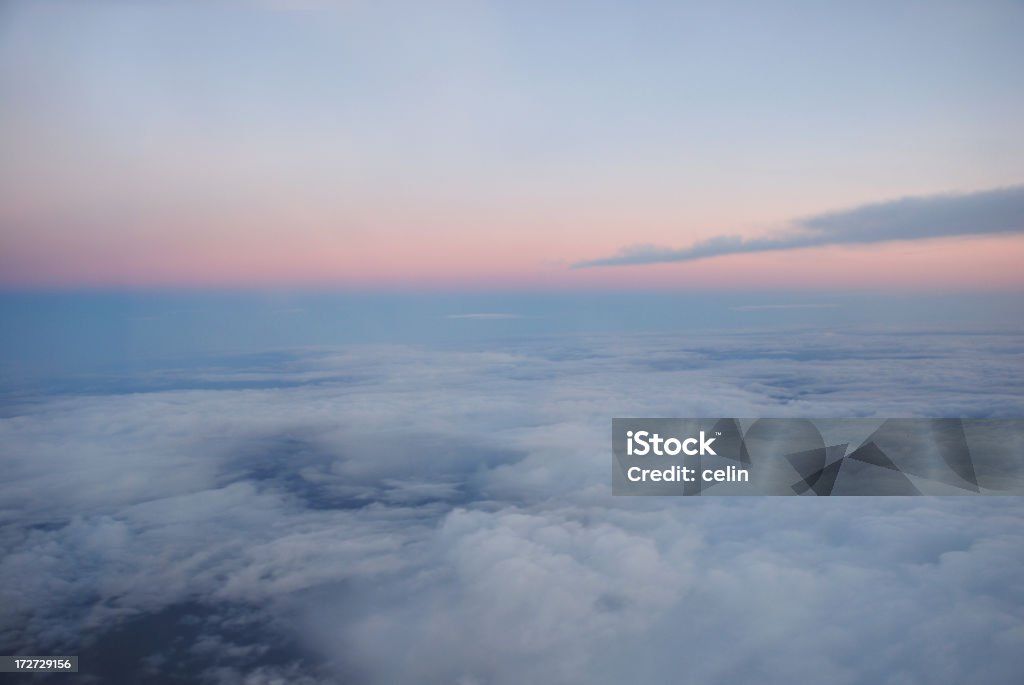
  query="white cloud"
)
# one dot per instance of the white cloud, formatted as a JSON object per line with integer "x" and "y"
{"x": 446, "y": 517}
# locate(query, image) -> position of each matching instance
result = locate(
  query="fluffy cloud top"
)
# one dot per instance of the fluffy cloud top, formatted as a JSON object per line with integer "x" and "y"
{"x": 391, "y": 514}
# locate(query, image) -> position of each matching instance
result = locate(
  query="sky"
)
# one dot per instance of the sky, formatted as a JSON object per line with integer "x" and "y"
{"x": 314, "y": 315}
{"x": 473, "y": 145}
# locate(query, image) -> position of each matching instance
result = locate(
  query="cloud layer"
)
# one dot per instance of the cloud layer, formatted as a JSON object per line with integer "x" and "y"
{"x": 989, "y": 212}
{"x": 390, "y": 514}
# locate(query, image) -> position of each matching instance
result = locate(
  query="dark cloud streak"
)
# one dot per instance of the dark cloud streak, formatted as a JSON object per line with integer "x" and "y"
{"x": 989, "y": 212}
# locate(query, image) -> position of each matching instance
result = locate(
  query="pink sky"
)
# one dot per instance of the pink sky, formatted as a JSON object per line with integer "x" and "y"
{"x": 500, "y": 262}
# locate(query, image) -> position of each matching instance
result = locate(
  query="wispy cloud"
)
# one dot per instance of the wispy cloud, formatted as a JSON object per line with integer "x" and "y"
{"x": 988, "y": 212}
{"x": 485, "y": 316}
{"x": 772, "y": 307}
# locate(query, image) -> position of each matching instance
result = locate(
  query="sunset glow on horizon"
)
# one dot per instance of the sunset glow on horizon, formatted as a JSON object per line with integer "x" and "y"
{"x": 948, "y": 264}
